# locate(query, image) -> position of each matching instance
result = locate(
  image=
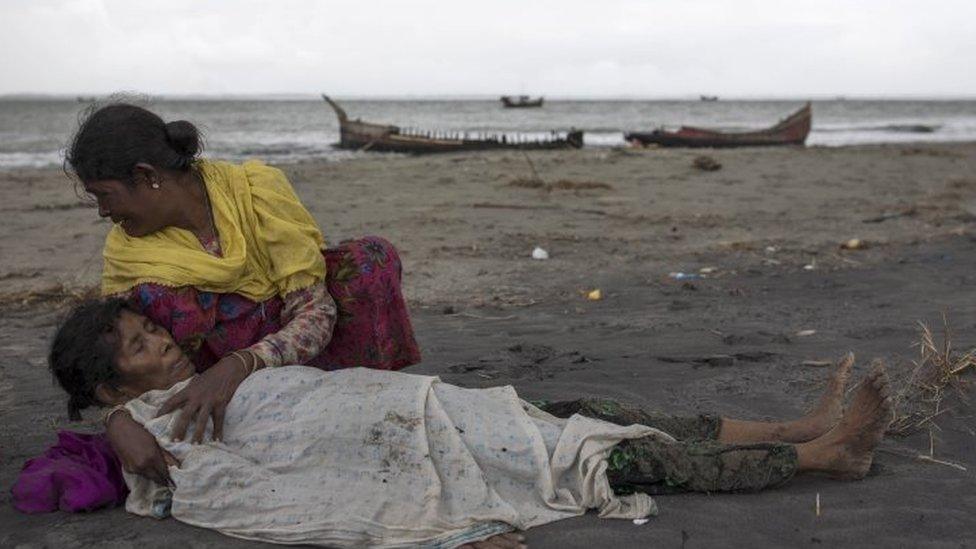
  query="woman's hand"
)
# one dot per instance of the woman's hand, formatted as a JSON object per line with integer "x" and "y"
{"x": 205, "y": 397}
{"x": 137, "y": 449}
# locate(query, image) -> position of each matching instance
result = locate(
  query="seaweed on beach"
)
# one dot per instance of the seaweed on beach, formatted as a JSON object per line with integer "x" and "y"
{"x": 56, "y": 294}
{"x": 562, "y": 185}
{"x": 919, "y": 400}
{"x": 536, "y": 181}
{"x": 706, "y": 164}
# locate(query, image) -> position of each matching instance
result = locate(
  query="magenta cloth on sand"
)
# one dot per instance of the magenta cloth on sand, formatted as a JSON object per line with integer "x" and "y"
{"x": 79, "y": 473}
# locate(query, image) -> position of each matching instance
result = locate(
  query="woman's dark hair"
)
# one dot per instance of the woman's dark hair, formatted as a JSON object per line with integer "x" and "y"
{"x": 81, "y": 355}
{"x": 112, "y": 139}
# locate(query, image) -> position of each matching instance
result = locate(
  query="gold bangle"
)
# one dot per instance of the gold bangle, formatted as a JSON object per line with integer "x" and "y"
{"x": 239, "y": 357}
{"x": 254, "y": 361}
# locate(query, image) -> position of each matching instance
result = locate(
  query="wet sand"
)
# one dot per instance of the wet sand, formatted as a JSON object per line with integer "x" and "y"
{"x": 767, "y": 229}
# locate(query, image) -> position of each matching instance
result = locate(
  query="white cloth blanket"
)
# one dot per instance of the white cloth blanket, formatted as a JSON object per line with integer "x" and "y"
{"x": 366, "y": 457}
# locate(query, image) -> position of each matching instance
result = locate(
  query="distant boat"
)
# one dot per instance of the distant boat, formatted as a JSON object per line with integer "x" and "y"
{"x": 708, "y": 97}
{"x": 791, "y": 131}
{"x": 366, "y": 136}
{"x": 85, "y": 99}
{"x": 520, "y": 101}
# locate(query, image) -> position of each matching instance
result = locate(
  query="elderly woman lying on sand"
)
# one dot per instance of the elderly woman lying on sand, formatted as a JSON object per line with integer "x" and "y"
{"x": 367, "y": 457}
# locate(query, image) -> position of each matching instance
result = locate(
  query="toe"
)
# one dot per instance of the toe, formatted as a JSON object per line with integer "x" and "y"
{"x": 889, "y": 404}
{"x": 878, "y": 382}
{"x": 882, "y": 385}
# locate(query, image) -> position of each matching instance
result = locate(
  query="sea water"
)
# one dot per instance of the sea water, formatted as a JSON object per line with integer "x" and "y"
{"x": 34, "y": 132}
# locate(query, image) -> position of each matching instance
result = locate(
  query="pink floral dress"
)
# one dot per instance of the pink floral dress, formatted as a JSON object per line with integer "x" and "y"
{"x": 357, "y": 317}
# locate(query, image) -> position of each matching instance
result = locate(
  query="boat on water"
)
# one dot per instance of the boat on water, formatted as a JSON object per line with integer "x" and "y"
{"x": 520, "y": 101}
{"x": 367, "y": 136}
{"x": 708, "y": 98}
{"x": 792, "y": 130}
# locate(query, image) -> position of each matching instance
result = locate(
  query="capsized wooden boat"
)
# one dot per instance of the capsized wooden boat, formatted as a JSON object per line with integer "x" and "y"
{"x": 793, "y": 130}
{"x": 520, "y": 101}
{"x": 367, "y": 136}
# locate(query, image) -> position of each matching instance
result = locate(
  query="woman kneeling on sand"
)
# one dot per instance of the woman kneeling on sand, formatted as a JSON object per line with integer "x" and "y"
{"x": 227, "y": 259}
{"x": 367, "y": 457}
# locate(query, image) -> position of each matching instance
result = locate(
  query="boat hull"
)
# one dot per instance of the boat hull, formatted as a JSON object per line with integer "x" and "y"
{"x": 670, "y": 139}
{"x": 791, "y": 131}
{"x": 422, "y": 145}
{"x": 520, "y": 102}
{"x": 367, "y": 136}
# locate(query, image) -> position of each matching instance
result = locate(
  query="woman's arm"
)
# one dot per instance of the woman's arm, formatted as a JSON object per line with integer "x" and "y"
{"x": 308, "y": 317}
{"x": 307, "y": 320}
{"x": 137, "y": 449}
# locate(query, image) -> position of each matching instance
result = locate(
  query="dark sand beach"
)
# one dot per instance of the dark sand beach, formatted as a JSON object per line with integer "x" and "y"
{"x": 777, "y": 296}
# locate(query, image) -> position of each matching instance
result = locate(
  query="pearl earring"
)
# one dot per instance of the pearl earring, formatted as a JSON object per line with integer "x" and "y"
{"x": 155, "y": 185}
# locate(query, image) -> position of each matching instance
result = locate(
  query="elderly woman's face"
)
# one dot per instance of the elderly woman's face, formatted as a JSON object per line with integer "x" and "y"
{"x": 132, "y": 207}
{"x": 146, "y": 356}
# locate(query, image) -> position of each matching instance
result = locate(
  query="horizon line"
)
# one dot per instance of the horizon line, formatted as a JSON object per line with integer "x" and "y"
{"x": 304, "y": 96}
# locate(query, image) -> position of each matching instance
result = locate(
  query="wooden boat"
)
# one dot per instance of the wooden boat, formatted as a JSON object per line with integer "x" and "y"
{"x": 520, "y": 101}
{"x": 791, "y": 131}
{"x": 366, "y": 136}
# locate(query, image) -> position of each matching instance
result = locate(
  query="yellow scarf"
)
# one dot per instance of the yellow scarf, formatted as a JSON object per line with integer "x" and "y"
{"x": 270, "y": 243}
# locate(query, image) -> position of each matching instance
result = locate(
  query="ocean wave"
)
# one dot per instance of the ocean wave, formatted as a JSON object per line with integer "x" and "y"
{"x": 33, "y": 134}
{"x": 40, "y": 159}
{"x": 891, "y": 128}
{"x": 278, "y": 150}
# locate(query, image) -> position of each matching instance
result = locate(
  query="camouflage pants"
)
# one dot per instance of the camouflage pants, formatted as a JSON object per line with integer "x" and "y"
{"x": 696, "y": 462}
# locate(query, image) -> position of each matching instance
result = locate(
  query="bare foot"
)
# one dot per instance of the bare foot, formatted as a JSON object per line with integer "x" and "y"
{"x": 846, "y": 450}
{"x": 811, "y": 426}
{"x": 830, "y": 409}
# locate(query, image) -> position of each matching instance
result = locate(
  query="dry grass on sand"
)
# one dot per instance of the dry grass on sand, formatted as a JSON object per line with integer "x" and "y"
{"x": 921, "y": 394}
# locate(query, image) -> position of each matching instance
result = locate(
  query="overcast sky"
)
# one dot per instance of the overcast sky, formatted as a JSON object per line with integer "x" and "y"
{"x": 605, "y": 48}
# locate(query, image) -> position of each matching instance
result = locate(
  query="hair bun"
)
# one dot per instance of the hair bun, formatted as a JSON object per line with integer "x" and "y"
{"x": 184, "y": 138}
